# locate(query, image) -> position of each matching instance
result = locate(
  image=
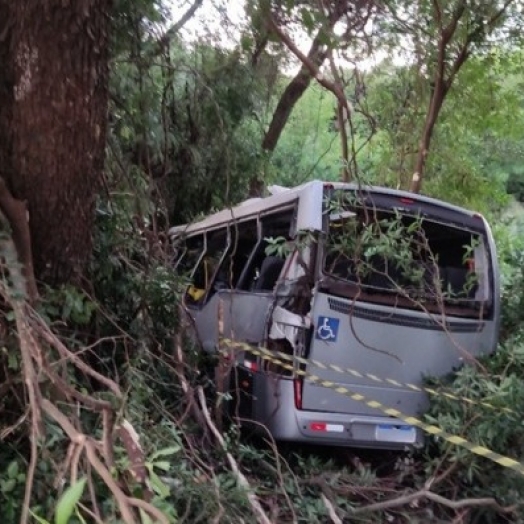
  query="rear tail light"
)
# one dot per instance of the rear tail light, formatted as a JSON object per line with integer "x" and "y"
{"x": 326, "y": 427}
{"x": 297, "y": 386}
{"x": 251, "y": 365}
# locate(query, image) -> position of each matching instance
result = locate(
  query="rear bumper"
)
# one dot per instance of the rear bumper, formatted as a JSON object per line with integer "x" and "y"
{"x": 274, "y": 407}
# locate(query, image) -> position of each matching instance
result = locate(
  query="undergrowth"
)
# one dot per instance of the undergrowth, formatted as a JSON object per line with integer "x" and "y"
{"x": 128, "y": 325}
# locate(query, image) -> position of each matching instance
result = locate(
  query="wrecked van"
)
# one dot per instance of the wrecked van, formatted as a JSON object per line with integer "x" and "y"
{"x": 371, "y": 288}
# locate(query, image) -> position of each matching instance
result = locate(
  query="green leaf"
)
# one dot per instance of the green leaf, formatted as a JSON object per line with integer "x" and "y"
{"x": 8, "y": 485}
{"x": 40, "y": 520}
{"x": 165, "y": 452}
{"x": 144, "y": 517}
{"x": 12, "y": 470}
{"x": 158, "y": 486}
{"x": 164, "y": 465}
{"x": 68, "y": 501}
{"x": 307, "y": 20}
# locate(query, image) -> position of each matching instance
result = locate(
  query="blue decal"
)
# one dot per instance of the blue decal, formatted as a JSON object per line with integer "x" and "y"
{"x": 327, "y": 329}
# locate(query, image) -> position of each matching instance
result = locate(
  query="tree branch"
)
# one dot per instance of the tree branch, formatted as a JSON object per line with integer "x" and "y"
{"x": 471, "y": 37}
{"x": 241, "y": 479}
{"x": 307, "y": 62}
{"x": 449, "y": 30}
{"x": 331, "y": 510}
{"x": 424, "y": 493}
{"x": 164, "y": 41}
{"x": 175, "y": 28}
{"x": 438, "y": 14}
{"x": 297, "y": 86}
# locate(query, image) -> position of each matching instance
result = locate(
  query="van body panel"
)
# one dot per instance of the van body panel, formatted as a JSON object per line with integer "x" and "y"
{"x": 372, "y": 339}
{"x": 244, "y": 316}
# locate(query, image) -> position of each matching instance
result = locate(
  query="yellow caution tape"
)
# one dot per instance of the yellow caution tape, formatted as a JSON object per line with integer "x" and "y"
{"x": 481, "y": 451}
{"x": 370, "y": 376}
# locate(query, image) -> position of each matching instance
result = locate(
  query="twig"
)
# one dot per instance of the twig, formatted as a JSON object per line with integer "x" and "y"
{"x": 148, "y": 508}
{"x": 29, "y": 480}
{"x": 331, "y": 510}
{"x": 27, "y": 351}
{"x": 92, "y": 494}
{"x": 121, "y": 498}
{"x": 51, "y": 338}
{"x": 96, "y": 518}
{"x": 241, "y": 479}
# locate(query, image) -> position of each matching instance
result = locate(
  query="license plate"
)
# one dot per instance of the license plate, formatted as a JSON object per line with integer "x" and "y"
{"x": 396, "y": 433}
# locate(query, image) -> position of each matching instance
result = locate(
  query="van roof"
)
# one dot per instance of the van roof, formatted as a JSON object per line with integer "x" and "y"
{"x": 281, "y": 197}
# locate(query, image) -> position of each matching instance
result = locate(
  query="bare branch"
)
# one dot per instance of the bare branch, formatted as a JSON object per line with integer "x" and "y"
{"x": 310, "y": 66}
{"x": 438, "y": 14}
{"x": 52, "y": 339}
{"x": 335, "y": 86}
{"x": 241, "y": 479}
{"x": 331, "y": 510}
{"x": 312, "y": 61}
{"x": 175, "y": 28}
{"x": 342, "y": 116}
{"x": 424, "y": 493}
{"x": 449, "y": 30}
{"x": 464, "y": 52}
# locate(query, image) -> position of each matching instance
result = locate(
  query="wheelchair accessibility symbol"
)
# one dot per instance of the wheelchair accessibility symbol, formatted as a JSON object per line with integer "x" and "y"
{"x": 327, "y": 329}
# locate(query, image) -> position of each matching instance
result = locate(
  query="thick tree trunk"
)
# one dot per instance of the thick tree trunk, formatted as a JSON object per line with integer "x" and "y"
{"x": 53, "y": 113}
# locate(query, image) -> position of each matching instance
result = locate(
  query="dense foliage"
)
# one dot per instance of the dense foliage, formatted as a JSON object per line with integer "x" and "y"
{"x": 187, "y": 119}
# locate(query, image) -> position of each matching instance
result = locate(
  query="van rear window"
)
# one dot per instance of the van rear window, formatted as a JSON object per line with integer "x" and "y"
{"x": 422, "y": 261}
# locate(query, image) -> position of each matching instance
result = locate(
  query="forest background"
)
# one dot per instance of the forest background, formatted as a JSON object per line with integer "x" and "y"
{"x": 119, "y": 119}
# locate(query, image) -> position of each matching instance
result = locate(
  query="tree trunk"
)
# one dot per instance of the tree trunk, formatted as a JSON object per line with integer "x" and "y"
{"x": 53, "y": 114}
{"x": 434, "y": 108}
{"x": 294, "y": 90}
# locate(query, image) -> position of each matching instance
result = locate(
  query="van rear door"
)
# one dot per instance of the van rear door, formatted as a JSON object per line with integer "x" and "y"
{"x": 384, "y": 342}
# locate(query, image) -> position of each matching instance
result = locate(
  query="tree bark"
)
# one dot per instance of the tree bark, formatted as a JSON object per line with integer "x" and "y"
{"x": 53, "y": 114}
{"x": 435, "y": 105}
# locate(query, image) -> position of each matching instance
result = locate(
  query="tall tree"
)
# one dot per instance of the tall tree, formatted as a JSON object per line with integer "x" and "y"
{"x": 53, "y": 113}
{"x": 318, "y": 20}
{"x": 448, "y": 33}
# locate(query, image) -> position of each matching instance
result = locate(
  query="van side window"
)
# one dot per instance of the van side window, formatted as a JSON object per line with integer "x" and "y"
{"x": 207, "y": 268}
{"x": 187, "y": 254}
{"x": 264, "y": 269}
{"x": 244, "y": 239}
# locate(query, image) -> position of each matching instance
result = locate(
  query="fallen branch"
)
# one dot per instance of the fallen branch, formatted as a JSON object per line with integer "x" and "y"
{"x": 82, "y": 440}
{"x": 241, "y": 479}
{"x": 439, "y": 499}
{"x": 31, "y": 331}
{"x": 28, "y": 354}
